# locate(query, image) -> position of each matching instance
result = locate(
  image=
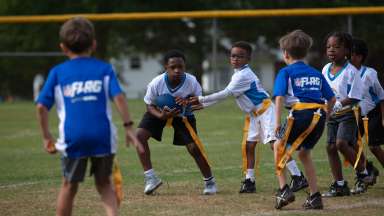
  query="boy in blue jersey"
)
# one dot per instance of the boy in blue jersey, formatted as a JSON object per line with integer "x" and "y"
{"x": 304, "y": 90}
{"x": 81, "y": 89}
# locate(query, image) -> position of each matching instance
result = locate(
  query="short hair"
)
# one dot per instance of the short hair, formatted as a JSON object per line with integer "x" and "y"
{"x": 173, "y": 54}
{"x": 343, "y": 38}
{"x": 359, "y": 47}
{"x": 296, "y": 43}
{"x": 243, "y": 45}
{"x": 77, "y": 34}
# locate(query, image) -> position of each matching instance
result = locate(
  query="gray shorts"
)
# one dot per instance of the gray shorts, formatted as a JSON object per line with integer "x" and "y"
{"x": 342, "y": 127}
{"x": 74, "y": 168}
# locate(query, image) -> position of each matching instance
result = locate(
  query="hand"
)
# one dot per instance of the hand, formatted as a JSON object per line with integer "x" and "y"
{"x": 181, "y": 101}
{"x": 194, "y": 100}
{"x": 337, "y": 107}
{"x": 277, "y": 129}
{"x": 167, "y": 113}
{"x": 49, "y": 144}
{"x": 130, "y": 138}
{"x": 197, "y": 107}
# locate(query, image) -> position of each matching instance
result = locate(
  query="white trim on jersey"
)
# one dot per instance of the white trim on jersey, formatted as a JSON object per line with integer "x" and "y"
{"x": 60, "y": 106}
{"x": 112, "y": 128}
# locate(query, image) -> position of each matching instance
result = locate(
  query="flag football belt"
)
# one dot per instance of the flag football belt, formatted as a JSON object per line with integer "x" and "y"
{"x": 117, "y": 181}
{"x": 264, "y": 106}
{"x": 344, "y": 110}
{"x": 194, "y": 136}
{"x": 283, "y": 155}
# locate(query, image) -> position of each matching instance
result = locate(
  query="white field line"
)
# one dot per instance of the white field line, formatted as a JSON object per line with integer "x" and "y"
{"x": 20, "y": 134}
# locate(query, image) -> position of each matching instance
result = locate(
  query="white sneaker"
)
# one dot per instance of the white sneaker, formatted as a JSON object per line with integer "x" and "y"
{"x": 210, "y": 187}
{"x": 151, "y": 184}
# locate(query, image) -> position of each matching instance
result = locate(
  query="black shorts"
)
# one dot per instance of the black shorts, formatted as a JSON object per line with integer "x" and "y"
{"x": 303, "y": 119}
{"x": 375, "y": 127}
{"x": 155, "y": 126}
{"x": 74, "y": 168}
{"x": 342, "y": 127}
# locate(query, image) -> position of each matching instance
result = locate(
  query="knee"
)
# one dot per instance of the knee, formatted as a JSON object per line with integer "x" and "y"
{"x": 251, "y": 145}
{"x": 341, "y": 145}
{"x": 70, "y": 187}
{"x": 331, "y": 148}
{"x": 303, "y": 154}
{"x": 193, "y": 150}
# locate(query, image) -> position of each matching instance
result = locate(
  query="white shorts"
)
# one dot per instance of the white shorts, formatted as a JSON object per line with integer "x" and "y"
{"x": 262, "y": 128}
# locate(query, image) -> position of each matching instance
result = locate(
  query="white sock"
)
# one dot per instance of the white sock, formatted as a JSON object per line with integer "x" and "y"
{"x": 149, "y": 172}
{"x": 365, "y": 172}
{"x": 250, "y": 174}
{"x": 293, "y": 169}
{"x": 340, "y": 183}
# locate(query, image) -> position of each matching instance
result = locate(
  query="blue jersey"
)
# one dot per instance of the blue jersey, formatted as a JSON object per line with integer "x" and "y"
{"x": 299, "y": 82}
{"x": 81, "y": 89}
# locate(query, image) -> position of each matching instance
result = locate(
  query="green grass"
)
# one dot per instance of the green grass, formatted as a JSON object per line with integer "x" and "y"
{"x": 30, "y": 178}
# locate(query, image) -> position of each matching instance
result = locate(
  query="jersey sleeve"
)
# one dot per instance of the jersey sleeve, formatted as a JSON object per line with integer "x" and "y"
{"x": 326, "y": 89}
{"x": 197, "y": 88}
{"x": 238, "y": 84}
{"x": 47, "y": 94}
{"x": 281, "y": 84}
{"x": 377, "y": 88}
{"x": 114, "y": 86}
{"x": 150, "y": 93}
{"x": 355, "y": 86}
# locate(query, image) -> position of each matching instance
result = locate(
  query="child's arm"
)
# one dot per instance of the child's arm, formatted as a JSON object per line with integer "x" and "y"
{"x": 210, "y": 99}
{"x": 122, "y": 107}
{"x": 330, "y": 104}
{"x": 42, "y": 117}
{"x": 279, "y": 101}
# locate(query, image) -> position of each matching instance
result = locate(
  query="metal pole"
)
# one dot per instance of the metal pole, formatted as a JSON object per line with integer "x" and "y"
{"x": 350, "y": 24}
{"x": 214, "y": 55}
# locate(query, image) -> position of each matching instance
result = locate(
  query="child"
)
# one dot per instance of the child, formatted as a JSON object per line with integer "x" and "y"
{"x": 178, "y": 83}
{"x": 253, "y": 100}
{"x": 303, "y": 89}
{"x": 372, "y": 105}
{"x": 81, "y": 87}
{"x": 346, "y": 83}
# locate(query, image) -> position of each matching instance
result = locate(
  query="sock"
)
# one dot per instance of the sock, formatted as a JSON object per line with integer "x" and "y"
{"x": 250, "y": 174}
{"x": 364, "y": 172}
{"x": 209, "y": 179}
{"x": 340, "y": 183}
{"x": 293, "y": 169}
{"x": 150, "y": 172}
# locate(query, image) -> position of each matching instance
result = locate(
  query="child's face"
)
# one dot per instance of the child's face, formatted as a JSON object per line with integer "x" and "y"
{"x": 239, "y": 57}
{"x": 175, "y": 68}
{"x": 336, "y": 51}
{"x": 356, "y": 60}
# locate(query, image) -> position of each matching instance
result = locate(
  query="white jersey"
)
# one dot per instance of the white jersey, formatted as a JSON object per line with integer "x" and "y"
{"x": 160, "y": 85}
{"x": 245, "y": 87}
{"x": 346, "y": 83}
{"x": 373, "y": 93}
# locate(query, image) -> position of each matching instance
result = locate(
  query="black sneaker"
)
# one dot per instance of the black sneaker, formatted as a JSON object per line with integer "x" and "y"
{"x": 313, "y": 202}
{"x": 336, "y": 190}
{"x": 284, "y": 196}
{"x": 248, "y": 186}
{"x": 360, "y": 185}
{"x": 373, "y": 172}
{"x": 298, "y": 183}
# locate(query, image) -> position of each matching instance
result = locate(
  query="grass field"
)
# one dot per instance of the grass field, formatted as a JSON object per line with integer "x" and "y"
{"x": 30, "y": 178}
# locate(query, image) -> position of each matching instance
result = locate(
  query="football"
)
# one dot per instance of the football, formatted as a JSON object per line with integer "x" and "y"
{"x": 168, "y": 100}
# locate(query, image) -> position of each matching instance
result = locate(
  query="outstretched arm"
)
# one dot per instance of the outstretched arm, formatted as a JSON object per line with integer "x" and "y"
{"x": 210, "y": 99}
{"x": 122, "y": 107}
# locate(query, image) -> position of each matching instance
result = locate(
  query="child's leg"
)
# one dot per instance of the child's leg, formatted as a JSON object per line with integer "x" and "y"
{"x": 203, "y": 165}
{"x": 379, "y": 153}
{"x": 108, "y": 197}
{"x": 305, "y": 158}
{"x": 145, "y": 157}
{"x": 334, "y": 162}
{"x": 66, "y": 197}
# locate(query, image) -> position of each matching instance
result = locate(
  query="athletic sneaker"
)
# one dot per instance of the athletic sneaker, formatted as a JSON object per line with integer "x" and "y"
{"x": 284, "y": 196}
{"x": 373, "y": 172}
{"x": 298, "y": 183}
{"x": 210, "y": 187}
{"x": 151, "y": 184}
{"x": 248, "y": 186}
{"x": 313, "y": 202}
{"x": 360, "y": 185}
{"x": 336, "y": 190}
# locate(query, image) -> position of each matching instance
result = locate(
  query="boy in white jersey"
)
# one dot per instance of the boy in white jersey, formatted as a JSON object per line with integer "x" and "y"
{"x": 181, "y": 85}
{"x": 81, "y": 88}
{"x": 253, "y": 100}
{"x": 372, "y": 105}
{"x": 346, "y": 83}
